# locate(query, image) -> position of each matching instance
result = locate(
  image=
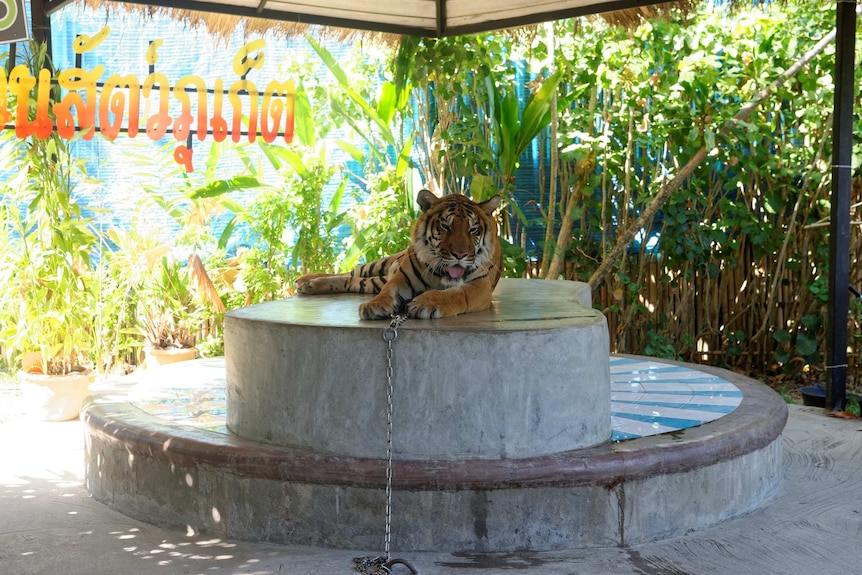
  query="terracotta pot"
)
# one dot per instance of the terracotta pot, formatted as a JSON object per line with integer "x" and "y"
{"x": 155, "y": 356}
{"x": 54, "y": 397}
{"x": 31, "y": 362}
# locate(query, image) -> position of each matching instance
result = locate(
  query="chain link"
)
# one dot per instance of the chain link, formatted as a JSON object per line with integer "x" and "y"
{"x": 379, "y": 565}
{"x": 372, "y": 565}
{"x": 389, "y": 335}
{"x": 383, "y": 565}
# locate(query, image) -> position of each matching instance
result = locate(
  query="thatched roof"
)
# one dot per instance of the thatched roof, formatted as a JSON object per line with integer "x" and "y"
{"x": 387, "y": 20}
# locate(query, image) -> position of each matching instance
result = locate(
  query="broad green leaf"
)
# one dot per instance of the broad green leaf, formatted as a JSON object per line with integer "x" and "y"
{"x": 386, "y": 105}
{"x": 709, "y": 138}
{"x": 226, "y": 233}
{"x": 805, "y": 344}
{"x": 359, "y": 130}
{"x": 335, "y": 202}
{"x": 303, "y": 119}
{"x": 537, "y": 112}
{"x": 693, "y": 134}
{"x": 273, "y": 154}
{"x": 344, "y": 82}
{"x": 518, "y": 212}
{"x": 404, "y": 158}
{"x": 372, "y": 115}
{"x": 220, "y": 187}
{"x": 329, "y": 61}
{"x": 482, "y": 187}
{"x": 354, "y": 152}
{"x": 772, "y": 203}
{"x": 236, "y": 207}
{"x": 507, "y": 143}
{"x": 295, "y": 160}
{"x": 361, "y": 133}
{"x": 213, "y": 160}
{"x": 353, "y": 253}
{"x": 781, "y": 336}
{"x": 811, "y": 321}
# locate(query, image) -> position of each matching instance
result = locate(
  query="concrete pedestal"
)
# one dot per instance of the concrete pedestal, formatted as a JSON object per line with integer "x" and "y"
{"x": 527, "y": 377}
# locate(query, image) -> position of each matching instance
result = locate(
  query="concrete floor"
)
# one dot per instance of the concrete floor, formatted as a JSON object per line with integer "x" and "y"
{"x": 49, "y": 525}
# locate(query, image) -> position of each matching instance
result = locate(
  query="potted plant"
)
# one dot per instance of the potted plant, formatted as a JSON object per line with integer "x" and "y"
{"x": 48, "y": 310}
{"x": 43, "y": 336}
{"x": 175, "y": 302}
{"x": 167, "y": 313}
{"x": 51, "y": 396}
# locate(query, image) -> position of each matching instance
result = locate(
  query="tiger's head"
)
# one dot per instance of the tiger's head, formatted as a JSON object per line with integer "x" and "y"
{"x": 456, "y": 239}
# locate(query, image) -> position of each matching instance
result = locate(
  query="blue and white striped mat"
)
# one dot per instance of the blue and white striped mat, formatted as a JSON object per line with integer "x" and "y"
{"x": 649, "y": 397}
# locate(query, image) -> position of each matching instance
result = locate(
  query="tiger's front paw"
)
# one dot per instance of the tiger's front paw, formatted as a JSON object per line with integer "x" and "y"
{"x": 432, "y": 305}
{"x": 377, "y": 308}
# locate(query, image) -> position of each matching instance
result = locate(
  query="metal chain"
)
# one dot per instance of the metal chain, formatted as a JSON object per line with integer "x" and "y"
{"x": 389, "y": 336}
{"x": 383, "y": 565}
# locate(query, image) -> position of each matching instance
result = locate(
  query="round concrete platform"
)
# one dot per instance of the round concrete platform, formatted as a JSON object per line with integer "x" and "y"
{"x": 614, "y": 493}
{"x": 621, "y": 493}
{"x": 527, "y": 377}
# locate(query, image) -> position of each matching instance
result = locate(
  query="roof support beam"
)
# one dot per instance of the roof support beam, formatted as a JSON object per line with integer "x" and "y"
{"x": 441, "y": 26}
{"x": 441, "y": 18}
{"x": 40, "y": 23}
{"x": 839, "y": 225}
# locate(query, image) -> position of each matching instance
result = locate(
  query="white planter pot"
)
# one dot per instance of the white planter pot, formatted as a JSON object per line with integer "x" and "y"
{"x": 54, "y": 397}
{"x": 155, "y": 357}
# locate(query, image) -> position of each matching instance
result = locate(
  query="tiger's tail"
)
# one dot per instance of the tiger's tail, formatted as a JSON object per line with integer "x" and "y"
{"x": 366, "y": 279}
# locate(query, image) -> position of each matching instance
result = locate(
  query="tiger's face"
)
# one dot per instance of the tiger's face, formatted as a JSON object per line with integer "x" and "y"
{"x": 455, "y": 238}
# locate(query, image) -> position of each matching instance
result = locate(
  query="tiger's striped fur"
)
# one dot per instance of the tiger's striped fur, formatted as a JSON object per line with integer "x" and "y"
{"x": 451, "y": 267}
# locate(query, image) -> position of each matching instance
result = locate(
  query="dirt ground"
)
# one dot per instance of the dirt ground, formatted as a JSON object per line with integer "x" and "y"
{"x": 789, "y": 385}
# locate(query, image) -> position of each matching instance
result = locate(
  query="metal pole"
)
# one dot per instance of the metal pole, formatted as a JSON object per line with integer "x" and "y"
{"x": 839, "y": 227}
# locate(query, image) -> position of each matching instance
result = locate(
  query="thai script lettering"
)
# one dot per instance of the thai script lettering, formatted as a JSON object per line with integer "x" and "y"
{"x": 88, "y": 105}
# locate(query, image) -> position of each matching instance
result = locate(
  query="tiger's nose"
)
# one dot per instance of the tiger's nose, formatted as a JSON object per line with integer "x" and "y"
{"x": 460, "y": 255}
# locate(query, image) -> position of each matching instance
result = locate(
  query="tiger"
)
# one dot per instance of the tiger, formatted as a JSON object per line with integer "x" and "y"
{"x": 451, "y": 267}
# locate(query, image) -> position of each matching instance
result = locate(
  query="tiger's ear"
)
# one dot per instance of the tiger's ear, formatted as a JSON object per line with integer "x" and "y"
{"x": 490, "y": 205}
{"x": 426, "y": 199}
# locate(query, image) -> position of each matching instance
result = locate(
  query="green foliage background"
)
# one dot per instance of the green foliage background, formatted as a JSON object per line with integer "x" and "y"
{"x": 737, "y": 268}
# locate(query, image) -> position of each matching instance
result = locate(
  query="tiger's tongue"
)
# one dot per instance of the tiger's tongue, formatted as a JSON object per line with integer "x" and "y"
{"x": 455, "y": 271}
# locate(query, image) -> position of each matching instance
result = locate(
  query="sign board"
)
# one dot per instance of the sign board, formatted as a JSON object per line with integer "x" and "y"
{"x": 13, "y": 21}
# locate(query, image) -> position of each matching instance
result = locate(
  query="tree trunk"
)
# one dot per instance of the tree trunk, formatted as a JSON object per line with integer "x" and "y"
{"x": 559, "y": 255}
